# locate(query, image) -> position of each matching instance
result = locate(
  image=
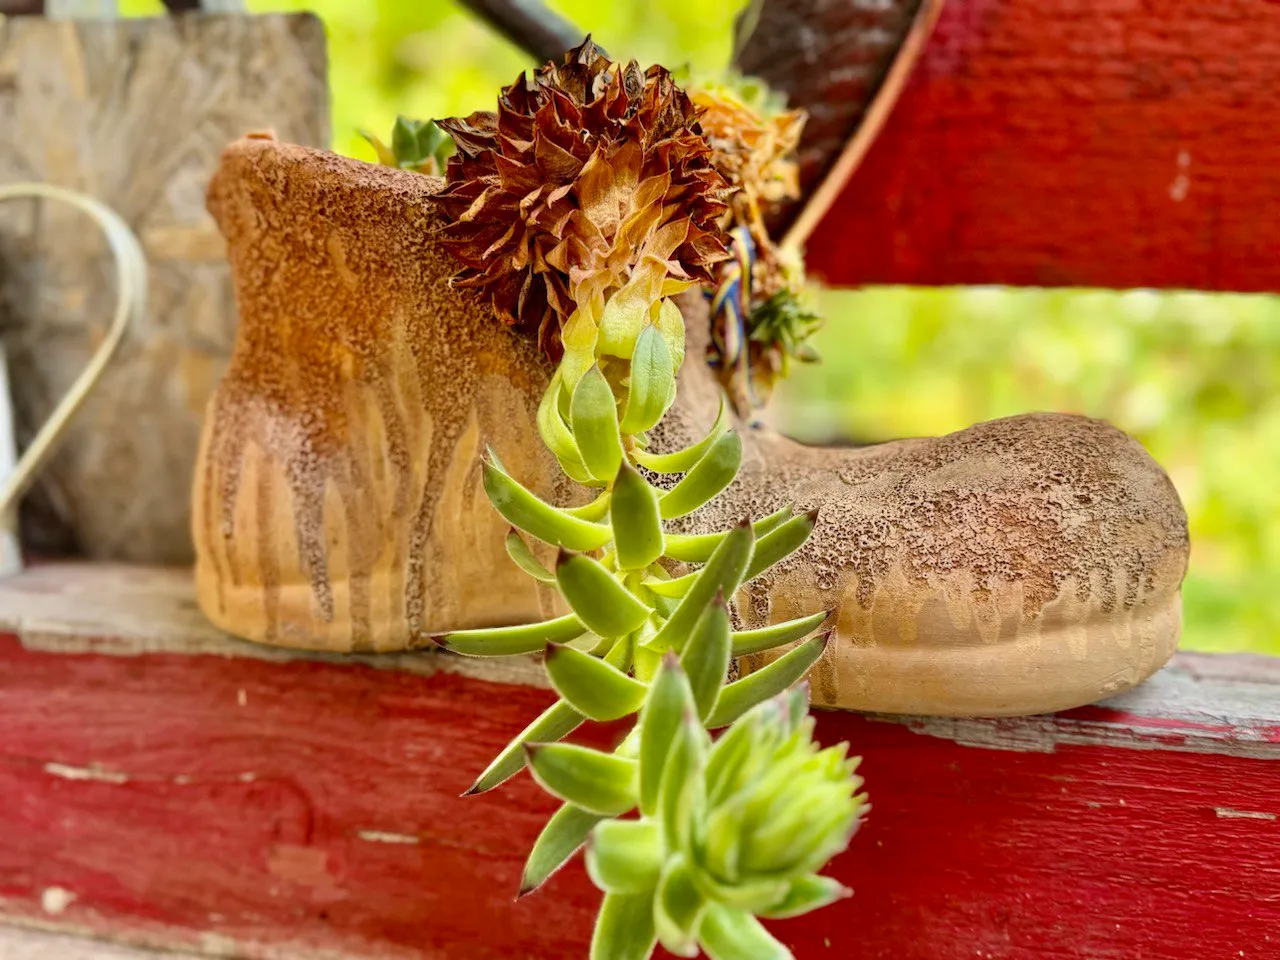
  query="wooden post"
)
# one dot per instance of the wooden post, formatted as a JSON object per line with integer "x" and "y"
{"x": 134, "y": 113}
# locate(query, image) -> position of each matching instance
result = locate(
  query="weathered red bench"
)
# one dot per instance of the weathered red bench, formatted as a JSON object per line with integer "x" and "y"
{"x": 163, "y": 784}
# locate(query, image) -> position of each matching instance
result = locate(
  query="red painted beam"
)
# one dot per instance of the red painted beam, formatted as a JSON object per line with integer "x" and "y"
{"x": 1075, "y": 142}
{"x": 163, "y": 785}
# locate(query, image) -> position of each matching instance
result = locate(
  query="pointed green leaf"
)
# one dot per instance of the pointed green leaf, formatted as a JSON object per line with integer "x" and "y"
{"x": 625, "y": 856}
{"x": 386, "y": 156}
{"x": 554, "y": 723}
{"x": 779, "y": 544}
{"x": 519, "y": 551}
{"x": 591, "y": 686}
{"x": 680, "y": 793}
{"x": 741, "y": 695}
{"x": 678, "y": 909}
{"x": 556, "y": 434}
{"x": 672, "y": 589}
{"x": 624, "y": 928}
{"x": 775, "y": 635}
{"x": 593, "y": 412}
{"x": 559, "y": 840}
{"x": 524, "y": 510}
{"x": 697, "y": 548}
{"x": 729, "y": 934}
{"x": 508, "y": 641}
{"x": 670, "y": 322}
{"x": 597, "y": 782}
{"x": 603, "y": 604}
{"x": 710, "y": 475}
{"x": 624, "y": 314}
{"x": 682, "y": 460}
{"x": 722, "y": 574}
{"x": 652, "y": 375}
{"x": 705, "y": 657}
{"x": 669, "y": 700}
{"x": 806, "y": 894}
{"x": 596, "y": 510}
{"x": 637, "y": 526}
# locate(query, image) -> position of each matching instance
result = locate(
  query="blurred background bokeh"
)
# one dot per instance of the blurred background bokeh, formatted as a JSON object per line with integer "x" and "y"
{"x": 1191, "y": 375}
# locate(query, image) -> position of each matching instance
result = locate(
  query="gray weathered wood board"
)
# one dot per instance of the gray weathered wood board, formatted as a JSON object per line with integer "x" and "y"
{"x": 135, "y": 113}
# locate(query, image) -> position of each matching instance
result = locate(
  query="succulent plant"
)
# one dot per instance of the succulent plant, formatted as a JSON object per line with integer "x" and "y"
{"x": 727, "y": 831}
{"x": 417, "y": 145}
{"x": 582, "y": 207}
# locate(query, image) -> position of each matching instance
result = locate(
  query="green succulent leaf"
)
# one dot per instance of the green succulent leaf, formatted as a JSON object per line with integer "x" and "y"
{"x": 766, "y": 638}
{"x": 625, "y": 856}
{"x": 637, "y": 525}
{"x": 741, "y": 695}
{"x": 559, "y": 840}
{"x": 806, "y": 894}
{"x": 697, "y": 548}
{"x": 705, "y": 657}
{"x": 596, "y": 510}
{"x": 670, "y": 700}
{"x": 593, "y": 413}
{"x": 591, "y": 686}
{"x": 722, "y": 574}
{"x": 652, "y": 376}
{"x": 558, "y": 437}
{"x": 682, "y": 460}
{"x": 509, "y": 641}
{"x": 680, "y": 792}
{"x": 519, "y": 551}
{"x": 602, "y": 603}
{"x": 386, "y": 156}
{"x": 710, "y": 475}
{"x": 597, "y": 782}
{"x": 534, "y": 516}
{"x": 730, "y": 934}
{"x": 678, "y": 909}
{"x": 624, "y": 928}
{"x": 554, "y": 723}
{"x": 779, "y": 544}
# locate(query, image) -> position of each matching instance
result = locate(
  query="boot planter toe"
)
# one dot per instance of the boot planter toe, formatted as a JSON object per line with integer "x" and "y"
{"x": 1019, "y": 566}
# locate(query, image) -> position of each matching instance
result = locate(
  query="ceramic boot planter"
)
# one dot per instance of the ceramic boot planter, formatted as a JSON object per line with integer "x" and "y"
{"x": 1023, "y": 565}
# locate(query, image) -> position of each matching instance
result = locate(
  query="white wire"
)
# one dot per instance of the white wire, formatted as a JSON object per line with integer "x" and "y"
{"x": 131, "y": 292}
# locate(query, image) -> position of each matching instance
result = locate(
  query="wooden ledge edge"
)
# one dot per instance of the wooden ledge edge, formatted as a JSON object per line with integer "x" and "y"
{"x": 1217, "y": 703}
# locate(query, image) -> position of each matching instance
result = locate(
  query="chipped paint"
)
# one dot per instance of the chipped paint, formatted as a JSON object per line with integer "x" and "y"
{"x": 68, "y": 772}
{"x": 1226, "y": 813}
{"x": 55, "y": 900}
{"x": 380, "y": 836}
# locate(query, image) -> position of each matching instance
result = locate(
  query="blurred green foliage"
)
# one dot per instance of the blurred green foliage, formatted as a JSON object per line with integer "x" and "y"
{"x": 1192, "y": 376}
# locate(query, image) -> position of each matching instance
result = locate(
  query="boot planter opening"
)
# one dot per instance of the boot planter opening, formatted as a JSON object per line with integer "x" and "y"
{"x": 1019, "y": 566}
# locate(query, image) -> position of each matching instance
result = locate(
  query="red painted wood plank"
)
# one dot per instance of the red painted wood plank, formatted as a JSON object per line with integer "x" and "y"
{"x": 308, "y": 807}
{"x": 1075, "y": 142}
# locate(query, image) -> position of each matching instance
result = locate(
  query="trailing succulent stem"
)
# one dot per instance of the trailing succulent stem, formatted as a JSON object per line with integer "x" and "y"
{"x": 646, "y": 638}
{"x": 580, "y": 209}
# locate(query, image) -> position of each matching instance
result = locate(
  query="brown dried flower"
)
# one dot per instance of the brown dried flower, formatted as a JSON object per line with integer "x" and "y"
{"x": 590, "y": 177}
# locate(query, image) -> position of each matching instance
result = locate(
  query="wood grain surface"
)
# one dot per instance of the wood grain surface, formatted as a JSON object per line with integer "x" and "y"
{"x": 165, "y": 785}
{"x": 134, "y": 113}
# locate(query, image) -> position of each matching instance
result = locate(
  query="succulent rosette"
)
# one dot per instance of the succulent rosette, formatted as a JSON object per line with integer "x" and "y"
{"x": 727, "y": 832}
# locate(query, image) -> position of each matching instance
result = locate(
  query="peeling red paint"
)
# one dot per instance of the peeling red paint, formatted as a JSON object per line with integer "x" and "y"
{"x": 246, "y": 822}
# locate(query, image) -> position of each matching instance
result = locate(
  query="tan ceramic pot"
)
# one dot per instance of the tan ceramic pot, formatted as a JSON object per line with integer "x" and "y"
{"x": 1022, "y": 565}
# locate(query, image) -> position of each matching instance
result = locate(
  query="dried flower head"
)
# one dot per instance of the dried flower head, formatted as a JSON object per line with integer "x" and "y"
{"x": 754, "y": 143}
{"x": 591, "y": 176}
